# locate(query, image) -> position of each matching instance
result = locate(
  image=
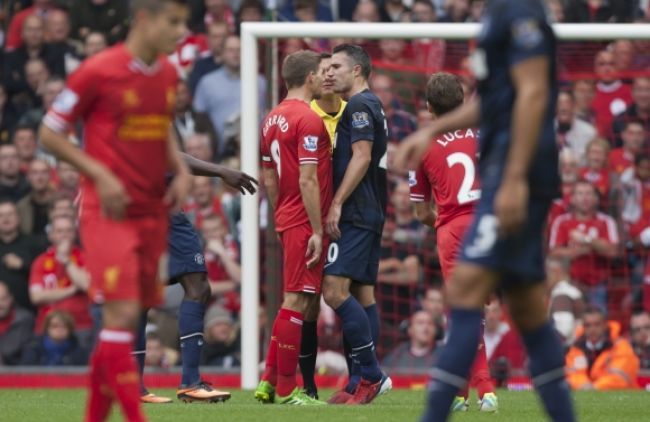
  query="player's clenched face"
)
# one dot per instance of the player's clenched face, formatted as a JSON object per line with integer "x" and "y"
{"x": 328, "y": 83}
{"x": 166, "y": 28}
{"x": 341, "y": 73}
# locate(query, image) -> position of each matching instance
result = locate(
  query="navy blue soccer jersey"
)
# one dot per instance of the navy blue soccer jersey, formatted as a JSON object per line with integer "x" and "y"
{"x": 514, "y": 31}
{"x": 363, "y": 120}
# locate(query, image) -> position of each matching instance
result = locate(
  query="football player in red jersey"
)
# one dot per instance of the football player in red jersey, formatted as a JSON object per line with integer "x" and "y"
{"x": 125, "y": 97}
{"x": 298, "y": 176}
{"x": 447, "y": 175}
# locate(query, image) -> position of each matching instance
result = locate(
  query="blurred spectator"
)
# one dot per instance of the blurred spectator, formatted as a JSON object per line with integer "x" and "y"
{"x": 456, "y": 11}
{"x": 366, "y": 11}
{"x": 13, "y": 184}
{"x": 57, "y": 31}
{"x": 633, "y": 136}
{"x": 623, "y": 56}
{"x": 393, "y": 51}
{"x": 569, "y": 175}
{"x": 188, "y": 123}
{"x": 251, "y": 11}
{"x": 503, "y": 347}
{"x": 218, "y": 11}
{"x": 198, "y": 146}
{"x": 191, "y": 47}
{"x": 14, "y": 33}
{"x": 24, "y": 140}
{"x": 612, "y": 95}
{"x": 94, "y": 42}
{"x": 36, "y": 75}
{"x": 205, "y": 201}
{"x": 394, "y": 11}
{"x": 69, "y": 178}
{"x": 433, "y": 302}
{"x": 34, "y": 208}
{"x": 58, "y": 280}
{"x": 416, "y": 355}
{"x": 566, "y": 302}
{"x": 8, "y": 116}
{"x": 16, "y": 327}
{"x": 475, "y": 10}
{"x": 597, "y": 171}
{"x": 62, "y": 206}
{"x": 429, "y": 53}
{"x": 219, "y": 92}
{"x": 109, "y": 17}
{"x": 601, "y": 359}
{"x": 400, "y": 123}
{"x": 639, "y": 110}
{"x": 58, "y": 346}
{"x": 222, "y": 339}
{"x": 157, "y": 355}
{"x": 635, "y": 190}
{"x": 589, "y": 239}
{"x": 408, "y": 230}
{"x": 584, "y": 11}
{"x": 556, "y": 9}
{"x": 51, "y": 89}
{"x": 222, "y": 263}
{"x": 640, "y": 337}
{"x": 571, "y": 132}
{"x": 217, "y": 33}
{"x": 584, "y": 92}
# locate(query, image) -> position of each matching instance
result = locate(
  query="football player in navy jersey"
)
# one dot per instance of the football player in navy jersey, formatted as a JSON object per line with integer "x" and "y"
{"x": 514, "y": 64}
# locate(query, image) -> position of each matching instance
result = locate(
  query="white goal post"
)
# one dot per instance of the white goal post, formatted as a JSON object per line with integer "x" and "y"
{"x": 250, "y": 119}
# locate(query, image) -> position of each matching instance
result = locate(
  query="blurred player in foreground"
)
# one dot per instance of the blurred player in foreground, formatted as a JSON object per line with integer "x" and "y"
{"x": 514, "y": 64}
{"x": 298, "y": 178}
{"x": 447, "y": 175}
{"x": 125, "y": 97}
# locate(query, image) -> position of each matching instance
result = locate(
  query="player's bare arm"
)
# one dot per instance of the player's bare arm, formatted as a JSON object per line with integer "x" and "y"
{"x": 179, "y": 187}
{"x": 271, "y": 185}
{"x": 410, "y": 151}
{"x": 111, "y": 191}
{"x": 357, "y": 168}
{"x": 425, "y": 213}
{"x": 233, "y": 178}
{"x": 531, "y": 81}
{"x": 310, "y": 192}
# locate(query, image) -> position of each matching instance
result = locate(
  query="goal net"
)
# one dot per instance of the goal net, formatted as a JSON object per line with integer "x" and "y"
{"x": 404, "y": 56}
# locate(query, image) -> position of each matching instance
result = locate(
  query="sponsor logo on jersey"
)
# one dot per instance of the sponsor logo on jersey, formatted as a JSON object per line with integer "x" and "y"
{"x": 360, "y": 120}
{"x": 65, "y": 101}
{"x": 310, "y": 143}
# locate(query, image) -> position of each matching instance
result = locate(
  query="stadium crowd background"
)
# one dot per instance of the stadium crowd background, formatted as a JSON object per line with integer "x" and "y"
{"x": 603, "y": 129}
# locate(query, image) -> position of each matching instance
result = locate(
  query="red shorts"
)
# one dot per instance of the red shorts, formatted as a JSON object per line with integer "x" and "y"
{"x": 125, "y": 258}
{"x": 450, "y": 239}
{"x": 297, "y": 277}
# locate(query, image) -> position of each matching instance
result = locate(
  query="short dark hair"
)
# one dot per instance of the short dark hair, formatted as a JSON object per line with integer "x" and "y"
{"x": 325, "y": 56}
{"x": 633, "y": 121}
{"x": 444, "y": 92}
{"x": 153, "y": 5}
{"x": 639, "y": 158}
{"x": 358, "y": 55}
{"x": 297, "y": 66}
{"x": 594, "y": 309}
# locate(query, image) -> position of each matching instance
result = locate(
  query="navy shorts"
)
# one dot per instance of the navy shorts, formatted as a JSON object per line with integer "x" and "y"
{"x": 185, "y": 249}
{"x": 355, "y": 255}
{"x": 519, "y": 258}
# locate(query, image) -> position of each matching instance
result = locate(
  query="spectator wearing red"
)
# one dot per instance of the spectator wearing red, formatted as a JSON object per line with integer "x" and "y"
{"x": 14, "y": 33}
{"x": 192, "y": 47}
{"x": 400, "y": 122}
{"x": 222, "y": 263}
{"x": 16, "y": 327}
{"x": 205, "y": 201}
{"x": 503, "y": 347}
{"x": 589, "y": 239}
{"x": 34, "y": 208}
{"x": 597, "y": 170}
{"x": 569, "y": 175}
{"x": 429, "y": 53}
{"x": 584, "y": 91}
{"x": 633, "y": 136}
{"x": 612, "y": 95}
{"x": 417, "y": 354}
{"x": 571, "y": 132}
{"x": 58, "y": 280}
{"x": 635, "y": 190}
{"x": 219, "y": 11}
{"x": 639, "y": 110}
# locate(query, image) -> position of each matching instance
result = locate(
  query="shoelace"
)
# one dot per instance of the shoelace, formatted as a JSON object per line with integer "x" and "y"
{"x": 207, "y": 386}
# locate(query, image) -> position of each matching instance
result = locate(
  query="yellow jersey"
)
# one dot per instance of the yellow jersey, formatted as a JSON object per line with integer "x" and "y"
{"x": 329, "y": 120}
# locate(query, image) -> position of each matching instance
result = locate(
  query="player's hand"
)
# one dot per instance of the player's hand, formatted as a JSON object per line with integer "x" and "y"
{"x": 332, "y": 221}
{"x": 511, "y": 205}
{"x": 177, "y": 191}
{"x": 240, "y": 181}
{"x": 411, "y": 149}
{"x": 314, "y": 249}
{"x": 112, "y": 195}
{"x": 12, "y": 261}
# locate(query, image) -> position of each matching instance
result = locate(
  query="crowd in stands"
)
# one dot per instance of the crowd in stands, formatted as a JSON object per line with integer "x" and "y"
{"x": 598, "y": 230}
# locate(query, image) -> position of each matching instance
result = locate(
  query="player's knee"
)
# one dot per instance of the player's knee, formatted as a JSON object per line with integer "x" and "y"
{"x": 334, "y": 296}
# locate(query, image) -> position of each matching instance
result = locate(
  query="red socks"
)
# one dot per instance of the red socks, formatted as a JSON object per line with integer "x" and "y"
{"x": 289, "y": 333}
{"x": 480, "y": 373}
{"x": 271, "y": 368}
{"x": 114, "y": 375}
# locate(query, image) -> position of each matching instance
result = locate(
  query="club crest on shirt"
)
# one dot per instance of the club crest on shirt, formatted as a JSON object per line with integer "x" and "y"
{"x": 360, "y": 120}
{"x": 310, "y": 143}
{"x": 130, "y": 98}
{"x": 412, "y": 179}
{"x": 199, "y": 259}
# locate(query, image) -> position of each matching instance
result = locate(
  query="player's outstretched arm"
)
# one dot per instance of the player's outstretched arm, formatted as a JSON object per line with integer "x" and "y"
{"x": 357, "y": 168}
{"x": 111, "y": 191}
{"x": 412, "y": 148}
{"x": 531, "y": 81}
{"x": 310, "y": 192}
{"x": 233, "y": 178}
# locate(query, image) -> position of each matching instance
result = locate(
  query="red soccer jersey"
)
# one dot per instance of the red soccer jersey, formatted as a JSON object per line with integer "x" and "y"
{"x": 48, "y": 273}
{"x": 609, "y": 101}
{"x": 126, "y": 107}
{"x": 601, "y": 180}
{"x": 590, "y": 269}
{"x": 294, "y": 135}
{"x": 620, "y": 160}
{"x": 448, "y": 175}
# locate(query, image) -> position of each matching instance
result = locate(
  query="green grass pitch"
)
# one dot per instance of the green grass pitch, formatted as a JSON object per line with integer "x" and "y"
{"x": 26, "y": 405}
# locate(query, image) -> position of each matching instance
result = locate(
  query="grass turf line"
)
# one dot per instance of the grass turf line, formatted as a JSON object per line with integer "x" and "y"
{"x": 24, "y": 405}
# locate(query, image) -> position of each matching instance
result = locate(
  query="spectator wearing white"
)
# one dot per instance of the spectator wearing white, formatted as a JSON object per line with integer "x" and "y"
{"x": 571, "y": 132}
{"x": 566, "y": 302}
